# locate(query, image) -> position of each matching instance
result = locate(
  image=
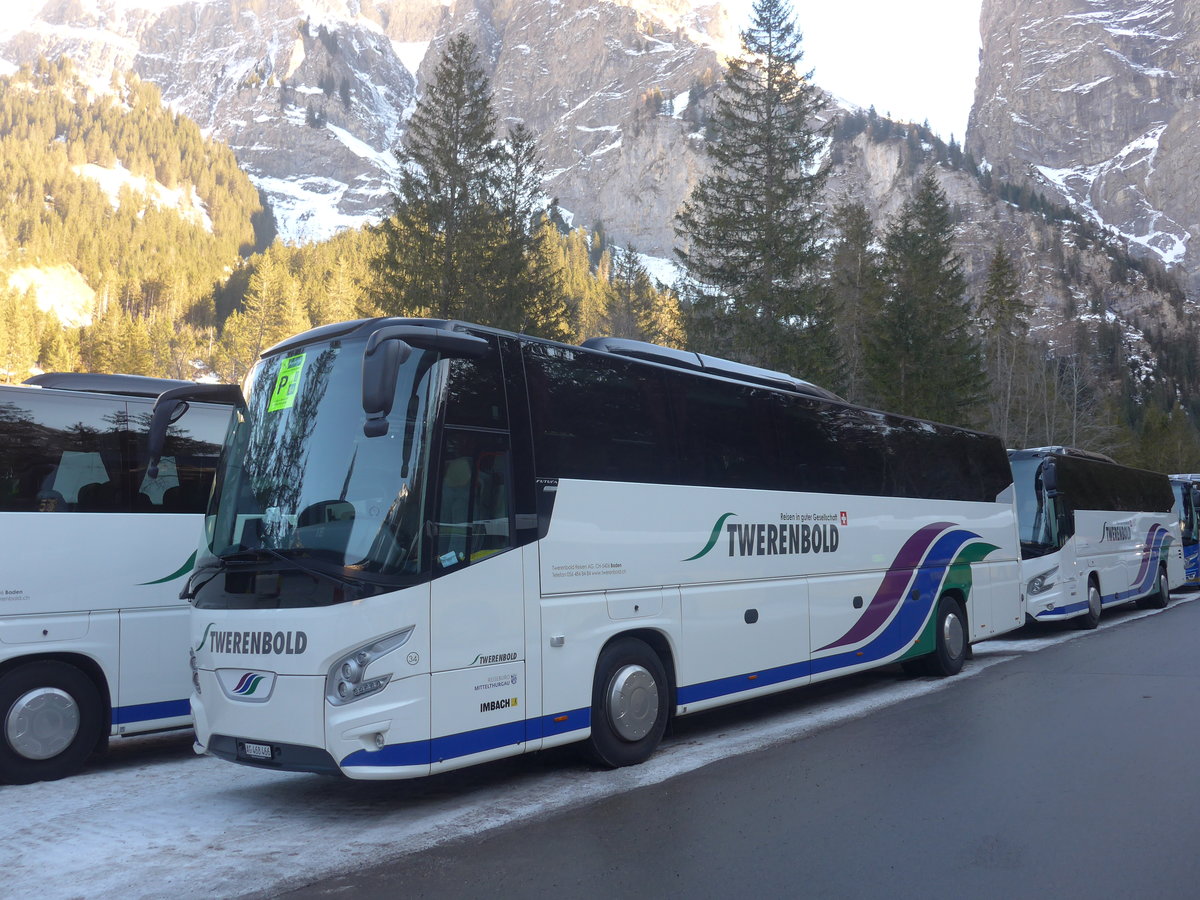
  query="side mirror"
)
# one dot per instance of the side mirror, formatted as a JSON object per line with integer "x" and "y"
{"x": 1050, "y": 478}
{"x": 381, "y": 366}
{"x": 387, "y": 350}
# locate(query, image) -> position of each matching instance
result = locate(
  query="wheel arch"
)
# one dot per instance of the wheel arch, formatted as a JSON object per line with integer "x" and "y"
{"x": 661, "y": 645}
{"x": 84, "y": 663}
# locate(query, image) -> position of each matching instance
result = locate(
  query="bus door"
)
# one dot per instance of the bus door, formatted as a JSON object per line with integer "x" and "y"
{"x": 477, "y": 610}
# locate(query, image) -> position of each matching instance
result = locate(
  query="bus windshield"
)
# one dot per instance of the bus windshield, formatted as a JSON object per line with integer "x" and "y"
{"x": 300, "y": 483}
{"x": 1037, "y": 516}
{"x": 1185, "y": 499}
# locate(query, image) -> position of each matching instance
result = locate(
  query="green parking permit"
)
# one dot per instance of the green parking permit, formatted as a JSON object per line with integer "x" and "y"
{"x": 287, "y": 383}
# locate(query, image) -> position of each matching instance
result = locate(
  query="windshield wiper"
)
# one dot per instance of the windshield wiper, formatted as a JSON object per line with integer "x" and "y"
{"x": 253, "y": 554}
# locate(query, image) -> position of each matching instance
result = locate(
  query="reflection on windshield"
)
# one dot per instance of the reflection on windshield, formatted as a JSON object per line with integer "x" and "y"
{"x": 1037, "y": 514}
{"x": 301, "y": 481}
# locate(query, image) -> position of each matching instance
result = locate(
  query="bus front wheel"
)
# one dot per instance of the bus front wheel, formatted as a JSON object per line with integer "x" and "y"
{"x": 629, "y": 704}
{"x": 50, "y": 716}
{"x": 1161, "y": 597}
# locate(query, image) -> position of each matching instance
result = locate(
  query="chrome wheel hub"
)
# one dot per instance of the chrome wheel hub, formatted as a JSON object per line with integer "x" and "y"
{"x": 954, "y": 639}
{"x": 42, "y": 723}
{"x": 632, "y": 702}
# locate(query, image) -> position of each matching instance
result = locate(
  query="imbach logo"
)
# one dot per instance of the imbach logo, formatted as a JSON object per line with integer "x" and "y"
{"x": 759, "y": 539}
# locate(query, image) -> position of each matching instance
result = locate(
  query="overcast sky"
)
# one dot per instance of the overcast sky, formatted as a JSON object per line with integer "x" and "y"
{"x": 915, "y": 59}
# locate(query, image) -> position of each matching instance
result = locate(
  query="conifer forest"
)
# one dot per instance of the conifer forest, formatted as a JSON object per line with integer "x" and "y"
{"x": 112, "y": 191}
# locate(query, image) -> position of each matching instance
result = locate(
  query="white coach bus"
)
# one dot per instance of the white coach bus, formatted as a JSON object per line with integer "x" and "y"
{"x": 1094, "y": 534}
{"x": 1187, "y": 511}
{"x": 93, "y": 635}
{"x": 434, "y": 544}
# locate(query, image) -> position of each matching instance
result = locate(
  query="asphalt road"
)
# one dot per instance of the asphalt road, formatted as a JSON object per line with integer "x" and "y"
{"x": 1067, "y": 772}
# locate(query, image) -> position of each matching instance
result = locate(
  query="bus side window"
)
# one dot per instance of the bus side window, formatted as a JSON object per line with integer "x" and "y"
{"x": 61, "y": 454}
{"x": 185, "y": 471}
{"x": 473, "y": 518}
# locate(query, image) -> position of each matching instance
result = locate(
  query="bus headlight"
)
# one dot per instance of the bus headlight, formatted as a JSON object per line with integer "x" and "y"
{"x": 1039, "y": 584}
{"x": 195, "y": 670}
{"x": 348, "y": 679}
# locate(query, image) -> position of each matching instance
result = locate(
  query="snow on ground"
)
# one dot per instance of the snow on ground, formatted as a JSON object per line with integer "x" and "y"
{"x": 58, "y": 289}
{"x": 665, "y": 271}
{"x": 410, "y": 54}
{"x": 154, "y": 820}
{"x": 182, "y": 199}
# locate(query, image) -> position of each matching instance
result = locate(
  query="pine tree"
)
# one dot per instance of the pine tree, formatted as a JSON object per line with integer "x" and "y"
{"x": 856, "y": 283}
{"x": 751, "y": 229}
{"x": 923, "y": 358}
{"x": 442, "y": 213}
{"x": 272, "y": 312}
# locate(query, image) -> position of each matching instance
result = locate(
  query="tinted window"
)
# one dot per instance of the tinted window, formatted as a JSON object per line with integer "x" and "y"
{"x": 185, "y": 471}
{"x": 60, "y": 453}
{"x": 725, "y": 434}
{"x": 597, "y": 417}
{"x": 86, "y": 453}
{"x": 1092, "y": 484}
{"x": 475, "y": 393}
{"x": 474, "y": 507}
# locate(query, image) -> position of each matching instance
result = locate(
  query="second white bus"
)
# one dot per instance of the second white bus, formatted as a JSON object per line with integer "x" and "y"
{"x": 435, "y": 544}
{"x": 1094, "y": 534}
{"x": 93, "y": 634}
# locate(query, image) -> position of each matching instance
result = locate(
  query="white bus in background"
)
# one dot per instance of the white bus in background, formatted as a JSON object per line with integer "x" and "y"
{"x": 92, "y": 631}
{"x": 1094, "y": 534}
{"x": 434, "y": 544}
{"x": 1187, "y": 511}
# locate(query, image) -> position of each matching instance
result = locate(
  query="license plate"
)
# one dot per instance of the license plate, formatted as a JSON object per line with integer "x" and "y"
{"x": 257, "y": 751}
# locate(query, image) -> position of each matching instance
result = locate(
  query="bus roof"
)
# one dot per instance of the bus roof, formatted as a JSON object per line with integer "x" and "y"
{"x": 1035, "y": 452}
{"x": 124, "y": 385}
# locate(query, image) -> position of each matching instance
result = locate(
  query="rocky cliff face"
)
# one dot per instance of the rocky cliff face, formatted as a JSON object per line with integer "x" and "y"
{"x": 606, "y": 86}
{"x": 310, "y": 94}
{"x": 1097, "y": 102}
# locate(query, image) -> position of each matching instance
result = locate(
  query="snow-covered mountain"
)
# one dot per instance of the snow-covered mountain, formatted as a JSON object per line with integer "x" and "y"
{"x": 310, "y": 94}
{"x": 1097, "y": 103}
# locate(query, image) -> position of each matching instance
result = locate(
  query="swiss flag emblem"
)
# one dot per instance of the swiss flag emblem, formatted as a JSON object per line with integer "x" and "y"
{"x": 844, "y": 518}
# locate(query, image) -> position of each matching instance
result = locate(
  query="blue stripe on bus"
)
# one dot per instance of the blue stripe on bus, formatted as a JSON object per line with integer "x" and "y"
{"x": 466, "y": 743}
{"x": 1160, "y": 541}
{"x": 147, "y": 712}
{"x": 735, "y": 684}
{"x": 899, "y": 633}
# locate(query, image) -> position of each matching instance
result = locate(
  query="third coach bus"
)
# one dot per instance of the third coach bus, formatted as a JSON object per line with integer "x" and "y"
{"x": 1187, "y": 511}
{"x": 1094, "y": 534}
{"x": 434, "y": 544}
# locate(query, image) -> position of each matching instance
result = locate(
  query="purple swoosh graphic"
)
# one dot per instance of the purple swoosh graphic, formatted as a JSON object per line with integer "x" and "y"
{"x": 891, "y": 590}
{"x": 242, "y": 683}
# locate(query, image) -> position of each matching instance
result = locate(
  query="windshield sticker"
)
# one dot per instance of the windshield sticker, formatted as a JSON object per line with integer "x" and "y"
{"x": 287, "y": 383}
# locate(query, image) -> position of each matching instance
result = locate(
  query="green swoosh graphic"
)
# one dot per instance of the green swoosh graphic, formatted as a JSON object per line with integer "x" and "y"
{"x": 205, "y": 638}
{"x": 712, "y": 539}
{"x": 184, "y": 568}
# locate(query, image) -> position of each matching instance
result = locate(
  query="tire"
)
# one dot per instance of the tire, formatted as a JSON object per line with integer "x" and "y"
{"x": 630, "y": 704}
{"x": 50, "y": 722}
{"x": 1161, "y": 597}
{"x": 952, "y": 639}
{"x": 1091, "y": 616}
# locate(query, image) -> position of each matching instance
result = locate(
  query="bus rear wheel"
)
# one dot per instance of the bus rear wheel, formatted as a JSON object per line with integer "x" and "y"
{"x": 630, "y": 704}
{"x": 1161, "y": 597}
{"x": 1091, "y": 616}
{"x": 950, "y": 651}
{"x": 50, "y": 721}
